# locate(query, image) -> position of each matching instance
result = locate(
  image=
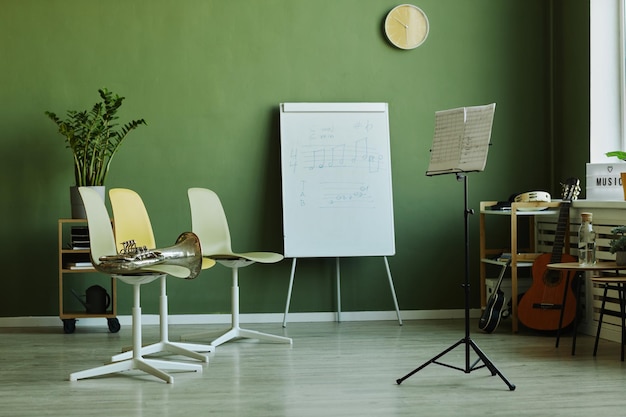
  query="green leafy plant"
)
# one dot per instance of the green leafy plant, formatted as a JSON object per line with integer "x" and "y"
{"x": 94, "y": 137}
{"x": 618, "y": 154}
{"x": 618, "y": 243}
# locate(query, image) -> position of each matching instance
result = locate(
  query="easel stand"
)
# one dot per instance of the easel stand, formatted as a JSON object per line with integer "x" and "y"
{"x": 338, "y": 281}
{"x": 467, "y": 341}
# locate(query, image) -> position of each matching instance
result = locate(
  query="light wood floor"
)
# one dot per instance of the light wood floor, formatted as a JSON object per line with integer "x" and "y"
{"x": 345, "y": 369}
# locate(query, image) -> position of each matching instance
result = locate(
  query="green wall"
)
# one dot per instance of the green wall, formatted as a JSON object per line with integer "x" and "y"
{"x": 208, "y": 75}
{"x": 570, "y": 87}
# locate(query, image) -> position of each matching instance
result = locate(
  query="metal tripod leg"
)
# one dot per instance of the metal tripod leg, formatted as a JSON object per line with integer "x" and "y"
{"x": 481, "y": 357}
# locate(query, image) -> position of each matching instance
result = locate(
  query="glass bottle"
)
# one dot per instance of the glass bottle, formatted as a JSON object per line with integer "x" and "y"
{"x": 586, "y": 240}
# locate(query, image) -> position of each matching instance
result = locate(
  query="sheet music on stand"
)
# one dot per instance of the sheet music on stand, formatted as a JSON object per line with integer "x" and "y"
{"x": 461, "y": 140}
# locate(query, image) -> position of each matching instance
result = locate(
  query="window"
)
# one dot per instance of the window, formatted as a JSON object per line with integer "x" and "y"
{"x": 607, "y": 66}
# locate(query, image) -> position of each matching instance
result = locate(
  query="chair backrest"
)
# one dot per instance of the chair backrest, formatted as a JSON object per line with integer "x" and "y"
{"x": 208, "y": 221}
{"x": 131, "y": 220}
{"x": 101, "y": 240}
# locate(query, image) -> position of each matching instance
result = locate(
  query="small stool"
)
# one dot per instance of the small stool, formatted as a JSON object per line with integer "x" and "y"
{"x": 613, "y": 283}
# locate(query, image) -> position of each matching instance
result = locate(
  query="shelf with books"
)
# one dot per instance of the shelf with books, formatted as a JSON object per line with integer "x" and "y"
{"x": 74, "y": 259}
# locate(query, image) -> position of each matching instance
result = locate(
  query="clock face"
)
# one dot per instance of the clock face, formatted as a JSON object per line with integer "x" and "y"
{"x": 406, "y": 26}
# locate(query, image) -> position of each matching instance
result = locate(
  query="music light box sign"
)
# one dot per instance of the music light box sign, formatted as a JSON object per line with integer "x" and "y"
{"x": 604, "y": 182}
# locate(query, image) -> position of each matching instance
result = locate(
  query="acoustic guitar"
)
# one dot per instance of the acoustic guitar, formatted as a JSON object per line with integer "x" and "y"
{"x": 493, "y": 312}
{"x": 540, "y": 307}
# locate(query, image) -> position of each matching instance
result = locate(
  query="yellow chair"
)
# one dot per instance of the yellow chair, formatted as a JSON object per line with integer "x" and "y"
{"x": 131, "y": 222}
{"x": 102, "y": 244}
{"x": 210, "y": 225}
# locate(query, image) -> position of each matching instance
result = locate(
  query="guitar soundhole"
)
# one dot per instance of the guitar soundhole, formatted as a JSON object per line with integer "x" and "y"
{"x": 552, "y": 278}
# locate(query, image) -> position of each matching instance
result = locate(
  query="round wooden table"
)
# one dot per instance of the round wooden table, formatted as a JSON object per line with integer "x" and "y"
{"x": 599, "y": 266}
{"x": 576, "y": 267}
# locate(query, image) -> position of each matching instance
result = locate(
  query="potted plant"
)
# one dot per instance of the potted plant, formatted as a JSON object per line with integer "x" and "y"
{"x": 618, "y": 154}
{"x": 94, "y": 137}
{"x": 617, "y": 245}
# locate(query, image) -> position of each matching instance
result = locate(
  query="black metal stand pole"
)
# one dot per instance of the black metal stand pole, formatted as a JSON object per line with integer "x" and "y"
{"x": 467, "y": 341}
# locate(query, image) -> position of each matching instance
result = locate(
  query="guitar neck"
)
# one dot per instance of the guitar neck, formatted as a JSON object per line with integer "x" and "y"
{"x": 561, "y": 227}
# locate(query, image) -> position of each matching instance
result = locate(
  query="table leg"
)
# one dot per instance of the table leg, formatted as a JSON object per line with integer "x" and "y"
{"x": 579, "y": 281}
{"x": 558, "y": 330}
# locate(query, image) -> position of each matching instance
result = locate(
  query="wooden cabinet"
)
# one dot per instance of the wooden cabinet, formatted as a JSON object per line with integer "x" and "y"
{"x": 74, "y": 269}
{"x": 520, "y": 257}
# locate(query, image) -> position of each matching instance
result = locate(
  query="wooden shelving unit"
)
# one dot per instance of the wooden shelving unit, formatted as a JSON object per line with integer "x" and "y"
{"x": 69, "y": 255}
{"x": 519, "y": 258}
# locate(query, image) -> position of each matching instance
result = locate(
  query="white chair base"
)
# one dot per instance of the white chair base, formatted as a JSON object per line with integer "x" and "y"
{"x": 235, "y": 331}
{"x": 174, "y": 348}
{"x": 137, "y": 362}
{"x": 165, "y": 345}
{"x": 150, "y": 366}
{"x": 239, "y": 333}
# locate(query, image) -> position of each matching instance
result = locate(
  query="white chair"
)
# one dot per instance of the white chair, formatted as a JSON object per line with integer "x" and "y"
{"x": 131, "y": 222}
{"x": 210, "y": 225}
{"x": 102, "y": 243}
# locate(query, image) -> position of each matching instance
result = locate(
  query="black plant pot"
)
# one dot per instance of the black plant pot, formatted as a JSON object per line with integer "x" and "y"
{"x": 78, "y": 209}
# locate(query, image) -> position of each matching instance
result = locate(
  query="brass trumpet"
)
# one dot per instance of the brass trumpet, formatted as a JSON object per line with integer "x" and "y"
{"x": 186, "y": 252}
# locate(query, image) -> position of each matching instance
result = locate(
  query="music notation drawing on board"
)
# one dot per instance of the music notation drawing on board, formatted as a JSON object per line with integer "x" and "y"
{"x": 461, "y": 139}
{"x": 330, "y": 168}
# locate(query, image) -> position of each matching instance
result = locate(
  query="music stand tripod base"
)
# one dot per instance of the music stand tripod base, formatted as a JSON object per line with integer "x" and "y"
{"x": 468, "y": 368}
{"x": 467, "y": 341}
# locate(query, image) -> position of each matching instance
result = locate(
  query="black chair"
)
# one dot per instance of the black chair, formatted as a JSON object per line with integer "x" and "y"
{"x": 616, "y": 284}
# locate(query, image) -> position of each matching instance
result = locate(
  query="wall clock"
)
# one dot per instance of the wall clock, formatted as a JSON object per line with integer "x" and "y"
{"x": 406, "y": 26}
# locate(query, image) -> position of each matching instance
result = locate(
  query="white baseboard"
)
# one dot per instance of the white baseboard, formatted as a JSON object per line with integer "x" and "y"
{"x": 153, "y": 319}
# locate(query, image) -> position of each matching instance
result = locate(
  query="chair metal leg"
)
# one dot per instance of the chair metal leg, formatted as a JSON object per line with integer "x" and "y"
{"x": 137, "y": 362}
{"x": 164, "y": 344}
{"x": 236, "y": 332}
{"x": 595, "y": 345}
{"x": 620, "y": 292}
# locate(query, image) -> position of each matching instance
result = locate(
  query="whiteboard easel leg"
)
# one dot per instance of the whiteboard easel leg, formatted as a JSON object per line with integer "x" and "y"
{"x": 338, "y": 292}
{"x": 293, "y": 273}
{"x": 393, "y": 290}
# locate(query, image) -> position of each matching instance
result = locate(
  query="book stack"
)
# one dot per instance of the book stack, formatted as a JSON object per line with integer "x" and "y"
{"x": 79, "y": 265}
{"x": 79, "y": 237}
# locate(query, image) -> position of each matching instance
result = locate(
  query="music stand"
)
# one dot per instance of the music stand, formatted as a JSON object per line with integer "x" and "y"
{"x": 460, "y": 145}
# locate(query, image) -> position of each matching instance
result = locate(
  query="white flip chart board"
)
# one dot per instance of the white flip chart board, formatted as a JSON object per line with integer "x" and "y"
{"x": 336, "y": 180}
